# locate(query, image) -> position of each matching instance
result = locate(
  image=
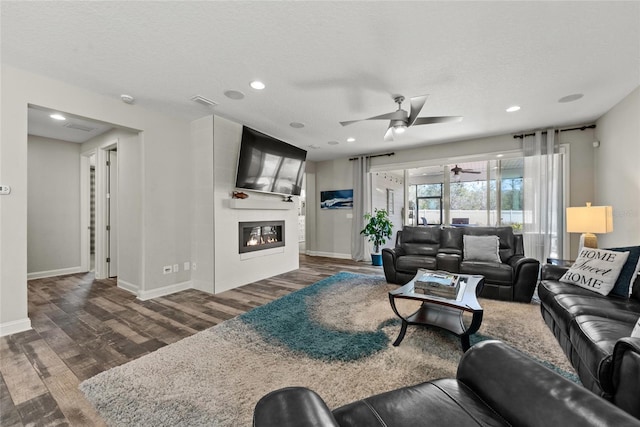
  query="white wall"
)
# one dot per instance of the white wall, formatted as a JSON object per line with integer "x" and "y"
{"x": 230, "y": 270}
{"x": 164, "y": 166}
{"x": 617, "y": 170}
{"x": 53, "y": 213}
{"x": 202, "y": 228}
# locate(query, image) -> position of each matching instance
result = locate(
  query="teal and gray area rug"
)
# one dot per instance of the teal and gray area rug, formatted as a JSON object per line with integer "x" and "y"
{"x": 334, "y": 337}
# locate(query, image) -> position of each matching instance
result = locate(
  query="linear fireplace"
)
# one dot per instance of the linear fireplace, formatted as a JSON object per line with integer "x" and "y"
{"x": 259, "y": 235}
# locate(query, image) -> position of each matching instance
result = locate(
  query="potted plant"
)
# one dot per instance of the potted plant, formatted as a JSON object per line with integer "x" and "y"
{"x": 378, "y": 230}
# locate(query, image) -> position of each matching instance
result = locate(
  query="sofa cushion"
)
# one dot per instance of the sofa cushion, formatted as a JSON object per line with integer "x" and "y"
{"x": 593, "y": 339}
{"x": 451, "y": 240}
{"x": 596, "y": 269}
{"x": 564, "y": 307}
{"x": 440, "y": 402}
{"x": 411, "y": 263}
{"x": 421, "y": 240}
{"x": 629, "y": 271}
{"x": 493, "y": 272}
{"x": 481, "y": 248}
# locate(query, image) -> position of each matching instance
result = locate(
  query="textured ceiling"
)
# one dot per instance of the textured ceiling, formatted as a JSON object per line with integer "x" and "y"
{"x": 325, "y": 62}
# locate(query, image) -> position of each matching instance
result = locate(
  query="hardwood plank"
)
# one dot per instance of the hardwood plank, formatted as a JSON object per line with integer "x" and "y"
{"x": 83, "y": 326}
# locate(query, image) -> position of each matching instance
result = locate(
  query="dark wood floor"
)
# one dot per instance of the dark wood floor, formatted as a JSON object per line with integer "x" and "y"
{"x": 82, "y": 327}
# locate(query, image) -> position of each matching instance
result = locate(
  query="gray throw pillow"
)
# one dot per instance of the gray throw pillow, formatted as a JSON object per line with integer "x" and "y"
{"x": 481, "y": 248}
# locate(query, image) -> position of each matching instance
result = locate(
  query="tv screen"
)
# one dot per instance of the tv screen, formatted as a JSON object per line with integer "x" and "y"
{"x": 269, "y": 165}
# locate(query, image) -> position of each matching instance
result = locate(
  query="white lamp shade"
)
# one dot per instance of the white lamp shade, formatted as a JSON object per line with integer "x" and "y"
{"x": 590, "y": 219}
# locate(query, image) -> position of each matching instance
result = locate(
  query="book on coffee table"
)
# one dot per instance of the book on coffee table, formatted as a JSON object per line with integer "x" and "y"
{"x": 440, "y": 284}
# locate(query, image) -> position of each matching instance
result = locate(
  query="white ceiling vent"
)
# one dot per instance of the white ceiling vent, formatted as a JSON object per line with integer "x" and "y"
{"x": 77, "y": 126}
{"x": 204, "y": 101}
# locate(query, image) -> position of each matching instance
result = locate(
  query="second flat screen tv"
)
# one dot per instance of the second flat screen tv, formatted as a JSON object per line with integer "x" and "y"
{"x": 269, "y": 165}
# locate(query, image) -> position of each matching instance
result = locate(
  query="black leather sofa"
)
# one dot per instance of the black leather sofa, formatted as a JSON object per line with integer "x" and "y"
{"x": 441, "y": 248}
{"x": 594, "y": 331}
{"x": 495, "y": 385}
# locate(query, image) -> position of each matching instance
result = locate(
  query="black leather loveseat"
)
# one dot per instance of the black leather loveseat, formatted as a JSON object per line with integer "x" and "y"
{"x": 595, "y": 333}
{"x": 514, "y": 278}
{"x": 496, "y": 385}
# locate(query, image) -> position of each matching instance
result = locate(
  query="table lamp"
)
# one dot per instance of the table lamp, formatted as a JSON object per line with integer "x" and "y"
{"x": 589, "y": 220}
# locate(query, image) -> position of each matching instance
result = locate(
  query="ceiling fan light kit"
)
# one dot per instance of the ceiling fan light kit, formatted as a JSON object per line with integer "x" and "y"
{"x": 400, "y": 119}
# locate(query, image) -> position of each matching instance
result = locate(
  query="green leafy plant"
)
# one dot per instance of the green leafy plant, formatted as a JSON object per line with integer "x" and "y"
{"x": 378, "y": 228}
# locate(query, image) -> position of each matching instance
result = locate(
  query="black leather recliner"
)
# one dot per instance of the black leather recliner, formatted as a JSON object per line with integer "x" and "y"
{"x": 441, "y": 248}
{"x": 495, "y": 385}
{"x": 594, "y": 332}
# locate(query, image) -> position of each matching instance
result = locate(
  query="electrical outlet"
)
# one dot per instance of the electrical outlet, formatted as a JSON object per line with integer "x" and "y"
{"x": 194, "y": 266}
{"x": 166, "y": 269}
{"x": 176, "y": 268}
{"x": 187, "y": 266}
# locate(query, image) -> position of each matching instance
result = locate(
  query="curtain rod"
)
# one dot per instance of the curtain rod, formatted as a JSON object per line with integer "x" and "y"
{"x": 522, "y": 135}
{"x": 375, "y": 155}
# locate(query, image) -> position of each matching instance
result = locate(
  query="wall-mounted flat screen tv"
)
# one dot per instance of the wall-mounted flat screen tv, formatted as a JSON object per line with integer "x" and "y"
{"x": 269, "y": 165}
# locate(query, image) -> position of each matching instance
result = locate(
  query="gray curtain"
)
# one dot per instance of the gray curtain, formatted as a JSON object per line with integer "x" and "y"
{"x": 361, "y": 205}
{"x": 543, "y": 198}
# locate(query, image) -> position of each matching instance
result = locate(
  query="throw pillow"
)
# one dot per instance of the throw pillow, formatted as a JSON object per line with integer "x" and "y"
{"x": 636, "y": 331}
{"x": 481, "y": 248}
{"x": 596, "y": 269}
{"x": 623, "y": 286}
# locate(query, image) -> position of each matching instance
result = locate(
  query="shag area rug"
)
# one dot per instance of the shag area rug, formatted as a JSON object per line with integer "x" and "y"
{"x": 334, "y": 337}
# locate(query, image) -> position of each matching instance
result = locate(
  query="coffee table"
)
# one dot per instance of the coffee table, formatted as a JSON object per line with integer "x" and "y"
{"x": 443, "y": 313}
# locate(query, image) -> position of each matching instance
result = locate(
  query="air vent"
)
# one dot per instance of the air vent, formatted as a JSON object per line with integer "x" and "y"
{"x": 204, "y": 101}
{"x": 76, "y": 126}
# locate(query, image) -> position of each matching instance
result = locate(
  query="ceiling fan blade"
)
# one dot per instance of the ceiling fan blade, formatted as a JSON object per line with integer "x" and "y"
{"x": 469, "y": 171}
{"x": 388, "y": 136}
{"x": 434, "y": 120}
{"x": 396, "y": 115}
{"x": 417, "y": 102}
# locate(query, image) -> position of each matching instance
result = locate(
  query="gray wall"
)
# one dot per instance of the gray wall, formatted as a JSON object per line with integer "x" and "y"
{"x": 53, "y": 214}
{"x": 617, "y": 167}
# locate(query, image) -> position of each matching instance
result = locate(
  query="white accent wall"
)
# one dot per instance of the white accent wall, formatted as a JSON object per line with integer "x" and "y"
{"x": 617, "y": 170}
{"x": 230, "y": 270}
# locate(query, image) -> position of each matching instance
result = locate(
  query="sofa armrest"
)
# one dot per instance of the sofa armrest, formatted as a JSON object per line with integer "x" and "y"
{"x": 525, "y": 393}
{"x": 525, "y": 277}
{"x": 292, "y": 407}
{"x": 552, "y": 272}
{"x": 389, "y": 259}
{"x": 626, "y": 372}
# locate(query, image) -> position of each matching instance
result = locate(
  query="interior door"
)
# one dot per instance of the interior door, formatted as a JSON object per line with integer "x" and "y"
{"x": 112, "y": 216}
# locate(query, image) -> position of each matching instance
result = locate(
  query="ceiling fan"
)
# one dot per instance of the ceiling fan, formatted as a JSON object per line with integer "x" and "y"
{"x": 400, "y": 120}
{"x": 457, "y": 170}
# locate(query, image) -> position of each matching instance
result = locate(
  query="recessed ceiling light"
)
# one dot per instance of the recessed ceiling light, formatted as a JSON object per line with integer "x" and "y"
{"x": 314, "y": 146}
{"x": 257, "y": 85}
{"x": 296, "y": 125}
{"x": 234, "y": 94}
{"x": 513, "y": 108}
{"x": 570, "y": 98}
{"x": 351, "y": 139}
{"x": 127, "y": 99}
{"x": 57, "y": 117}
{"x": 499, "y": 155}
{"x": 333, "y": 143}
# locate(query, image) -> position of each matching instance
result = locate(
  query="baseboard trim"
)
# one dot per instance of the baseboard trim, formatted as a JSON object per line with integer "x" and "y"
{"x": 129, "y": 287}
{"x": 165, "y": 290}
{"x": 15, "y": 326}
{"x": 329, "y": 254}
{"x": 53, "y": 273}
